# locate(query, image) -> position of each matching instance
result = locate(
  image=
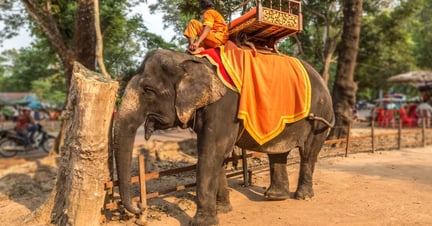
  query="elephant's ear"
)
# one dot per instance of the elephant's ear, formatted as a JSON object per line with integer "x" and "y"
{"x": 198, "y": 87}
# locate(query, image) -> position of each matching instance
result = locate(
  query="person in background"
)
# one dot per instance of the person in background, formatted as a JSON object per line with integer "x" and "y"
{"x": 424, "y": 110}
{"x": 355, "y": 115}
{"x": 25, "y": 124}
{"x": 36, "y": 115}
{"x": 213, "y": 32}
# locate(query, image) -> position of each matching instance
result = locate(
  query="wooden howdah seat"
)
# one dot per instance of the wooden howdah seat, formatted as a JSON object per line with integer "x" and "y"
{"x": 266, "y": 23}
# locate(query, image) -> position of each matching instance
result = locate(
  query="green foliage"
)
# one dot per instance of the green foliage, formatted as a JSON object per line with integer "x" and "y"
{"x": 386, "y": 48}
{"x": 26, "y": 65}
{"x": 422, "y": 35}
{"x": 33, "y": 69}
{"x": 47, "y": 93}
{"x": 12, "y": 17}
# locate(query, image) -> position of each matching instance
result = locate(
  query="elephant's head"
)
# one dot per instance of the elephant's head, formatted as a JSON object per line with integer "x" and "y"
{"x": 167, "y": 90}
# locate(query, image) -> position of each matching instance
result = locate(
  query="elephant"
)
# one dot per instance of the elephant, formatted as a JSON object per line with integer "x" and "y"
{"x": 174, "y": 89}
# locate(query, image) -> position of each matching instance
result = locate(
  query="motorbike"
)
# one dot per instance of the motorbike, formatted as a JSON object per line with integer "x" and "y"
{"x": 11, "y": 143}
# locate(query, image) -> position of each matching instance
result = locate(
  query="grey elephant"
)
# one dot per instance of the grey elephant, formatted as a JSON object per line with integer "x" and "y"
{"x": 175, "y": 89}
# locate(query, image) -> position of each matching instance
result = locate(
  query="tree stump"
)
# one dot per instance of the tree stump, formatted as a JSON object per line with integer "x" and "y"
{"x": 79, "y": 195}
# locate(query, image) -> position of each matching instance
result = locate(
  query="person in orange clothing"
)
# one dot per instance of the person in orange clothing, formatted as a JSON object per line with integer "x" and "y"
{"x": 25, "y": 123}
{"x": 213, "y": 32}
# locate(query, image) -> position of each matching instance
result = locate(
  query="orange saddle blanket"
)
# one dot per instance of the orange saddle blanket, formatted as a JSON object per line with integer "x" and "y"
{"x": 274, "y": 89}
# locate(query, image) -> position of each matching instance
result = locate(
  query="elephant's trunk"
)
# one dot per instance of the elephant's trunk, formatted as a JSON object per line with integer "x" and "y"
{"x": 129, "y": 118}
{"x": 123, "y": 155}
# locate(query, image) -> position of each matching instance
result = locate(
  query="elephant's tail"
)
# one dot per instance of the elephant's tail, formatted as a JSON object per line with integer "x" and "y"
{"x": 331, "y": 124}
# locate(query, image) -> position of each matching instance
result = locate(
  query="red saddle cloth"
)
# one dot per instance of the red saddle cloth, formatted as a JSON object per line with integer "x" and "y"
{"x": 274, "y": 89}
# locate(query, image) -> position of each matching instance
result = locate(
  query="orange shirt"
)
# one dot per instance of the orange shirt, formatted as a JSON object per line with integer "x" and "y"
{"x": 215, "y": 20}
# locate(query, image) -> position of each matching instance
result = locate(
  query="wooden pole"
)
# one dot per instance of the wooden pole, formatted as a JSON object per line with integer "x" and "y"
{"x": 245, "y": 170}
{"x": 143, "y": 190}
{"x": 423, "y": 130}
{"x": 373, "y": 135}
{"x": 348, "y": 140}
{"x": 399, "y": 134}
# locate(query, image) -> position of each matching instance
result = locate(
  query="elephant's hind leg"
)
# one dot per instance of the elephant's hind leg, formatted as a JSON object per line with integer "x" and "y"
{"x": 279, "y": 184}
{"x": 308, "y": 158}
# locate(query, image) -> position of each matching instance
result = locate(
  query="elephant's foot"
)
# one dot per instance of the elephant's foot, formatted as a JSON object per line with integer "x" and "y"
{"x": 201, "y": 219}
{"x": 277, "y": 193}
{"x": 224, "y": 207}
{"x": 304, "y": 192}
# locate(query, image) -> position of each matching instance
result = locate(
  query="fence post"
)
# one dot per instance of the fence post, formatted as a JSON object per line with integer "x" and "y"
{"x": 373, "y": 135}
{"x": 143, "y": 189}
{"x": 348, "y": 140}
{"x": 245, "y": 170}
{"x": 423, "y": 131}
{"x": 399, "y": 134}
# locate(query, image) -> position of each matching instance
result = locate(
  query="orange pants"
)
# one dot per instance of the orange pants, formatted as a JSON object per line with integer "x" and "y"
{"x": 213, "y": 39}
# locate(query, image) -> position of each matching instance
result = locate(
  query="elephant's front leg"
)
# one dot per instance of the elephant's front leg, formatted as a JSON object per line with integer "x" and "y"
{"x": 216, "y": 130}
{"x": 279, "y": 184}
{"x": 222, "y": 199}
{"x": 208, "y": 168}
{"x": 212, "y": 192}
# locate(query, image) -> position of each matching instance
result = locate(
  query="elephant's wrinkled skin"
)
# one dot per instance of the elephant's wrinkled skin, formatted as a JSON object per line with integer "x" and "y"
{"x": 176, "y": 89}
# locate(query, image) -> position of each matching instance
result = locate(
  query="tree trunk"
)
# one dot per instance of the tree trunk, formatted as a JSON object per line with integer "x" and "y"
{"x": 345, "y": 88}
{"x": 83, "y": 168}
{"x": 326, "y": 67}
{"x": 329, "y": 49}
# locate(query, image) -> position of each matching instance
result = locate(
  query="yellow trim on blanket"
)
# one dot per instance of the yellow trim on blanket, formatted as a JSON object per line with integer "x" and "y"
{"x": 236, "y": 78}
{"x": 261, "y": 139}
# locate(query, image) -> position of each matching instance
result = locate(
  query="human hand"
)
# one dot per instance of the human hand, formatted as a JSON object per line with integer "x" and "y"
{"x": 194, "y": 46}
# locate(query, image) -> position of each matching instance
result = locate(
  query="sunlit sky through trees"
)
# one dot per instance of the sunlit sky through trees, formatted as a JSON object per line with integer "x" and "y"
{"x": 153, "y": 22}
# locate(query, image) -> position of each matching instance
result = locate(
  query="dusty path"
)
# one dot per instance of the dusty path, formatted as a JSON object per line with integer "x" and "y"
{"x": 385, "y": 188}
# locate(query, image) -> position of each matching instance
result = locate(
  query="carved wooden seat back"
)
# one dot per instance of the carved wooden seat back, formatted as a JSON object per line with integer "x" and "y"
{"x": 266, "y": 23}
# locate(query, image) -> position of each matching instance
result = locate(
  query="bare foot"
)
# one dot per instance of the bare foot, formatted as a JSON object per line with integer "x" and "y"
{"x": 197, "y": 51}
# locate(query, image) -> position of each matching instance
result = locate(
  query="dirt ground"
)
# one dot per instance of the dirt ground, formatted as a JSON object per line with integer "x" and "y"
{"x": 385, "y": 188}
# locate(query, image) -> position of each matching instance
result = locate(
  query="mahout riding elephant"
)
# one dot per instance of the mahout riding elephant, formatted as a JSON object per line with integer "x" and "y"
{"x": 175, "y": 89}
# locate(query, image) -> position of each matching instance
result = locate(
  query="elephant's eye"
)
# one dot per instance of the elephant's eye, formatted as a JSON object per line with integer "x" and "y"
{"x": 148, "y": 91}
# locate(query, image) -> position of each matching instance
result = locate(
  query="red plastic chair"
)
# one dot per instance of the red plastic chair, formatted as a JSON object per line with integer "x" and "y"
{"x": 389, "y": 119}
{"x": 380, "y": 117}
{"x": 406, "y": 120}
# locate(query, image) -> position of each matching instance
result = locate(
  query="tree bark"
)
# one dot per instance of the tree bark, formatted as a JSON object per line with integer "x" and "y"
{"x": 83, "y": 168}
{"x": 345, "y": 88}
{"x": 327, "y": 57}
